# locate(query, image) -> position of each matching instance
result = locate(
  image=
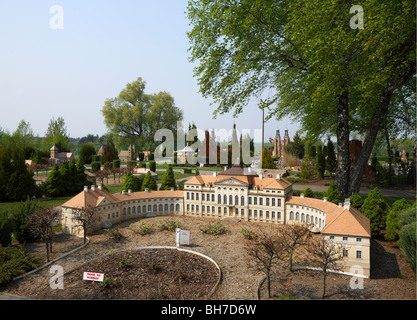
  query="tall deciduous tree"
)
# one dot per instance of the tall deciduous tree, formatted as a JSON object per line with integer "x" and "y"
{"x": 57, "y": 134}
{"x": 135, "y": 115}
{"x": 321, "y": 72}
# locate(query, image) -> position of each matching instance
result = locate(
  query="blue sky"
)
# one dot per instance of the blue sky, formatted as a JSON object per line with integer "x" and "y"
{"x": 104, "y": 45}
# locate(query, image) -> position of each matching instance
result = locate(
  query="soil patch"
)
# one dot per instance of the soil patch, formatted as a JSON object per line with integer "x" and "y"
{"x": 141, "y": 274}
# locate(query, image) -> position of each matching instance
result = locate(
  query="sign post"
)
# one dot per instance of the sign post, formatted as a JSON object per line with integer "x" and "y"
{"x": 182, "y": 237}
{"x": 93, "y": 276}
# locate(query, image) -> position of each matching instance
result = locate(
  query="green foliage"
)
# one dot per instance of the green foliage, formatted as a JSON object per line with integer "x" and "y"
{"x": 114, "y": 234}
{"x": 56, "y": 135}
{"x": 321, "y": 162}
{"x": 132, "y": 182}
{"x": 407, "y": 235}
{"x": 149, "y": 182}
{"x": 168, "y": 180}
{"x": 95, "y": 166}
{"x": 331, "y": 162}
{"x": 380, "y": 174}
{"x": 267, "y": 162}
{"x": 250, "y": 235}
{"x": 308, "y": 169}
{"x": 152, "y": 165}
{"x": 6, "y": 228}
{"x": 133, "y": 114}
{"x": 375, "y": 209}
{"x": 124, "y": 263}
{"x": 356, "y": 201}
{"x": 87, "y": 151}
{"x": 16, "y": 181}
{"x": 15, "y": 261}
{"x": 169, "y": 224}
{"x": 214, "y": 229}
{"x": 392, "y": 219}
{"x": 332, "y": 194}
{"x": 108, "y": 282}
{"x": 296, "y": 147}
{"x": 131, "y": 163}
{"x": 308, "y": 193}
{"x": 144, "y": 228}
{"x": 20, "y": 214}
{"x": 116, "y": 163}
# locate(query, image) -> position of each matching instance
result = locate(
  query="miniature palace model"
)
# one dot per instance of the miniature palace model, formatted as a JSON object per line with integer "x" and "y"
{"x": 242, "y": 194}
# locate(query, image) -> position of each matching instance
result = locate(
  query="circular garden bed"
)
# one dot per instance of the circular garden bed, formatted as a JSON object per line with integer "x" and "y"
{"x": 142, "y": 274}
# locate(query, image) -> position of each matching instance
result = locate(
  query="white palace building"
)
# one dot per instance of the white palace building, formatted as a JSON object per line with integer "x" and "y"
{"x": 242, "y": 194}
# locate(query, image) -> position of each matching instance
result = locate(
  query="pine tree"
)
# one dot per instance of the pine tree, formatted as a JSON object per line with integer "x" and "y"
{"x": 54, "y": 185}
{"x": 267, "y": 162}
{"x": 321, "y": 162}
{"x": 332, "y": 194}
{"x": 149, "y": 182}
{"x": 375, "y": 209}
{"x": 331, "y": 162}
{"x": 131, "y": 183}
{"x": 168, "y": 180}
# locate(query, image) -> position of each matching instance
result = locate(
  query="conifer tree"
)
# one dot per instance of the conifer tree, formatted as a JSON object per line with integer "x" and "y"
{"x": 375, "y": 209}
{"x": 149, "y": 182}
{"x": 168, "y": 181}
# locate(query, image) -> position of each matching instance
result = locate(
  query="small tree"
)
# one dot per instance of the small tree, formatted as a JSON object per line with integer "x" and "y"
{"x": 407, "y": 235}
{"x": 41, "y": 226}
{"x": 375, "y": 209}
{"x": 168, "y": 181}
{"x": 392, "y": 219}
{"x": 87, "y": 218}
{"x": 356, "y": 201}
{"x": 264, "y": 254}
{"x": 149, "y": 182}
{"x": 325, "y": 255}
{"x": 332, "y": 194}
{"x": 331, "y": 162}
{"x": 267, "y": 162}
{"x": 321, "y": 162}
{"x": 131, "y": 182}
{"x": 291, "y": 237}
{"x": 308, "y": 193}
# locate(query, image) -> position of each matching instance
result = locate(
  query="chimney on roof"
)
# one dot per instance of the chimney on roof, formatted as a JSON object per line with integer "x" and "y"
{"x": 279, "y": 176}
{"x": 93, "y": 187}
{"x": 172, "y": 189}
{"x": 123, "y": 191}
{"x": 86, "y": 188}
{"x": 302, "y": 195}
{"x": 225, "y": 168}
{"x": 260, "y": 176}
{"x": 347, "y": 204}
{"x": 325, "y": 199}
{"x": 146, "y": 189}
{"x": 129, "y": 191}
{"x": 215, "y": 174}
{"x": 99, "y": 187}
{"x": 340, "y": 204}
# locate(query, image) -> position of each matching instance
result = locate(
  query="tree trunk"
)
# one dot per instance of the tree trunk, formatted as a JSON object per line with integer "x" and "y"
{"x": 389, "y": 153}
{"x": 379, "y": 115}
{"x": 324, "y": 285}
{"x": 47, "y": 250}
{"x": 343, "y": 152}
{"x": 268, "y": 285}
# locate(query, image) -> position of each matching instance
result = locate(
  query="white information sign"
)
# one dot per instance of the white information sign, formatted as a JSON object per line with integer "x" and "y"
{"x": 182, "y": 237}
{"x": 93, "y": 276}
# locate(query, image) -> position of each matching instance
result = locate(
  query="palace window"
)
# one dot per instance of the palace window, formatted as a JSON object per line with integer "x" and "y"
{"x": 242, "y": 201}
{"x": 196, "y": 196}
{"x": 358, "y": 254}
{"x": 267, "y": 202}
{"x": 219, "y": 199}
{"x": 292, "y": 215}
{"x": 261, "y": 202}
{"x": 203, "y": 197}
{"x": 177, "y": 207}
{"x": 224, "y": 199}
{"x": 273, "y": 202}
{"x": 236, "y": 200}
{"x": 160, "y": 207}
{"x": 171, "y": 207}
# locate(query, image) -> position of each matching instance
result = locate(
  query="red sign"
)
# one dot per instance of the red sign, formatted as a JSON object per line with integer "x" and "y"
{"x": 93, "y": 276}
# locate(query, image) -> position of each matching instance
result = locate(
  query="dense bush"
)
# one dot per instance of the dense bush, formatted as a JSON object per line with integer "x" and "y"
{"x": 214, "y": 229}
{"x": 407, "y": 235}
{"x": 392, "y": 219}
{"x": 15, "y": 261}
{"x": 169, "y": 224}
{"x": 375, "y": 209}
